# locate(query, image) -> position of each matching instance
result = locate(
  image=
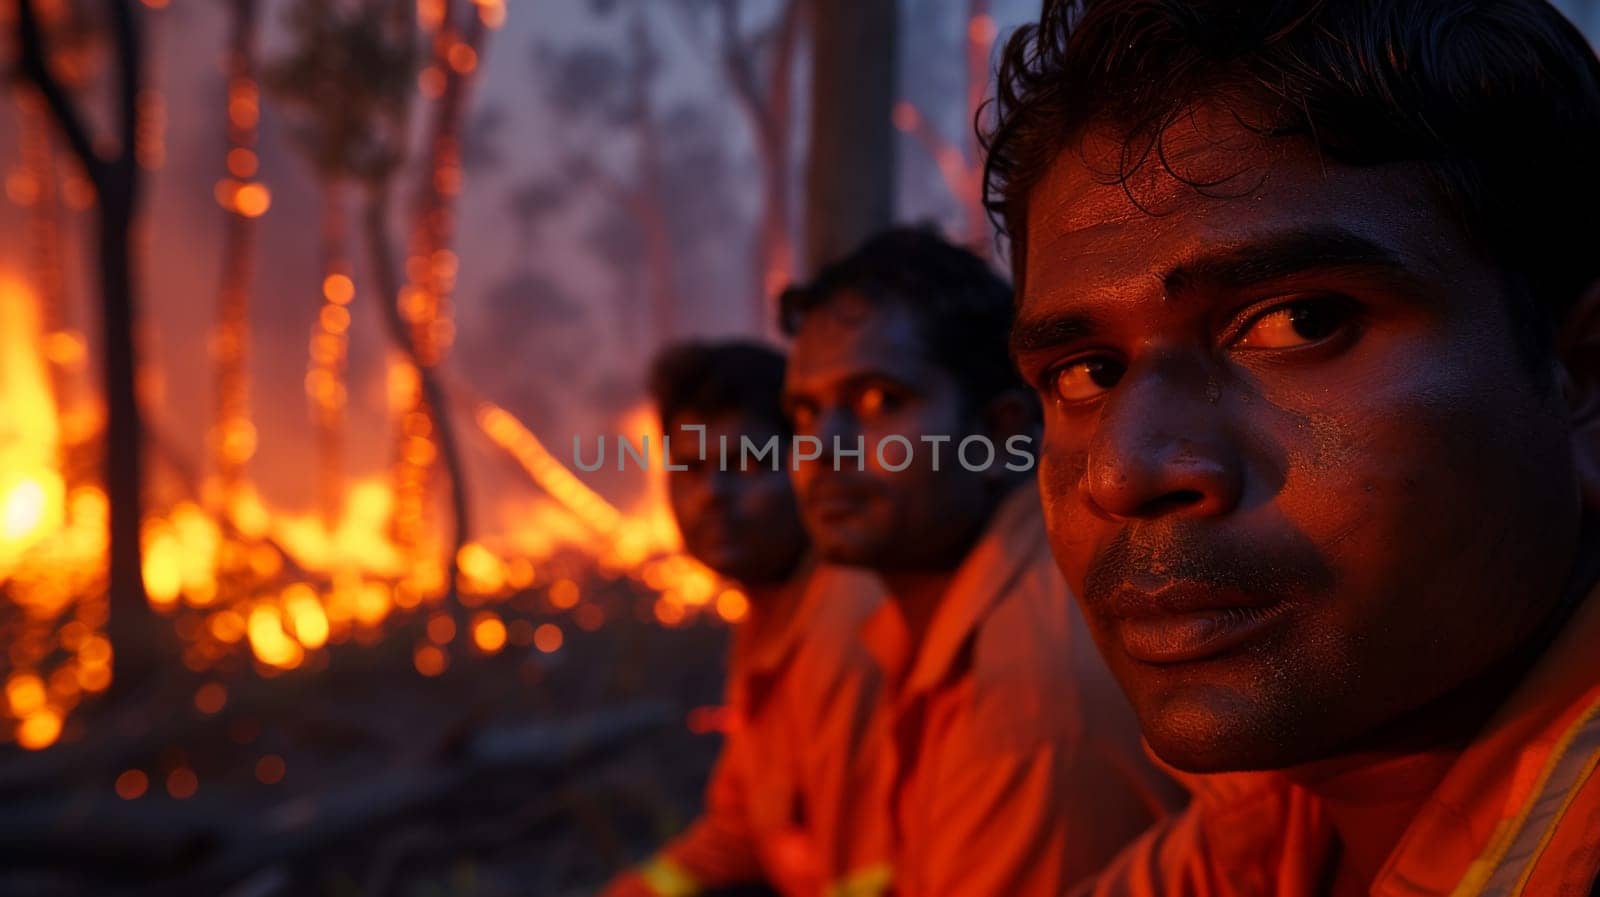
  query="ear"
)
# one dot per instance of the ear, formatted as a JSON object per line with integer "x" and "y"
{"x": 1578, "y": 354}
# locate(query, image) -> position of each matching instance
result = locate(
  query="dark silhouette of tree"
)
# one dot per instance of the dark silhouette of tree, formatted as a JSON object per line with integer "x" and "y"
{"x": 759, "y": 67}
{"x": 850, "y": 170}
{"x": 608, "y": 90}
{"x": 424, "y": 304}
{"x": 116, "y": 180}
{"x": 660, "y": 168}
{"x": 353, "y": 73}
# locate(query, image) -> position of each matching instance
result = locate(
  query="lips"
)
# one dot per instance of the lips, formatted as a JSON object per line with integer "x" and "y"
{"x": 1186, "y": 622}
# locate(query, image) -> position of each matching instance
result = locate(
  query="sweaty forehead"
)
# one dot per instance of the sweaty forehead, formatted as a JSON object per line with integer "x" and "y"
{"x": 1210, "y": 182}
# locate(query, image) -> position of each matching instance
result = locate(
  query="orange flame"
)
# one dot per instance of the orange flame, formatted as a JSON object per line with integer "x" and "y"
{"x": 236, "y": 574}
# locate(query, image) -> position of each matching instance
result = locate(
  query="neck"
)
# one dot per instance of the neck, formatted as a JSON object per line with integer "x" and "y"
{"x": 1372, "y": 792}
{"x": 917, "y": 591}
{"x": 1370, "y": 801}
{"x": 916, "y": 595}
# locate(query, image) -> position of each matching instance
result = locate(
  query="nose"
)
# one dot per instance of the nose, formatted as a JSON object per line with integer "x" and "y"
{"x": 1164, "y": 446}
{"x": 836, "y": 425}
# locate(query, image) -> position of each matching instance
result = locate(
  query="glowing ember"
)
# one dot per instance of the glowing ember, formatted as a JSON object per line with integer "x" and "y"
{"x": 39, "y": 729}
{"x": 269, "y": 641}
{"x": 182, "y": 783}
{"x": 132, "y": 784}
{"x": 210, "y": 698}
{"x": 732, "y": 605}
{"x": 441, "y": 629}
{"x": 488, "y": 633}
{"x": 564, "y": 594}
{"x": 306, "y": 616}
{"x": 548, "y": 638}
{"x": 429, "y": 660}
{"x": 270, "y": 769}
{"x": 25, "y": 693}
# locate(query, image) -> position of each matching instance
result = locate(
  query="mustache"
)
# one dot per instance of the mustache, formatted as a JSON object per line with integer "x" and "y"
{"x": 1193, "y": 554}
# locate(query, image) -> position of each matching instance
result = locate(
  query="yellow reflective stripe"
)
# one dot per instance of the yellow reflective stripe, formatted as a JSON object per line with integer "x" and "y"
{"x": 668, "y": 879}
{"x": 1479, "y": 870}
{"x": 1567, "y": 797}
{"x": 1506, "y": 864}
{"x": 871, "y": 881}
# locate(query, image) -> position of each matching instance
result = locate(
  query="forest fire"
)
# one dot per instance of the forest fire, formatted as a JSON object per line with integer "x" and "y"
{"x": 300, "y": 307}
{"x": 242, "y": 577}
{"x": 234, "y": 577}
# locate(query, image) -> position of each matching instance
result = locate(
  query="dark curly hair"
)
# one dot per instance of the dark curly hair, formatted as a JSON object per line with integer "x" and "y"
{"x": 1498, "y": 100}
{"x": 962, "y": 306}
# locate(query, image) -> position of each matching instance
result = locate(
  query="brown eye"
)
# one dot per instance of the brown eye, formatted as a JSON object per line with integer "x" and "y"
{"x": 1085, "y": 379}
{"x": 1296, "y": 324}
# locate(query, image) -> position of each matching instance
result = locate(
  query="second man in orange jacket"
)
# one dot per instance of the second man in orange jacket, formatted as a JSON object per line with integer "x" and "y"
{"x": 1007, "y": 762}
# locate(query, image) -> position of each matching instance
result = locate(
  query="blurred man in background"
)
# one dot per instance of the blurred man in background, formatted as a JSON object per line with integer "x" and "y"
{"x": 781, "y": 806}
{"x": 1008, "y": 762}
{"x": 1317, "y": 339}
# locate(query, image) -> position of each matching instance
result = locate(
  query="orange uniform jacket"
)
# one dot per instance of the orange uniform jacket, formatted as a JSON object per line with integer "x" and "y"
{"x": 1516, "y": 815}
{"x": 1010, "y": 764}
{"x": 783, "y": 804}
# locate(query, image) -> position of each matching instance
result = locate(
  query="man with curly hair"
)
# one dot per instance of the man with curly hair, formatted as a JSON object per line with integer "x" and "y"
{"x": 1007, "y": 761}
{"x": 1308, "y": 290}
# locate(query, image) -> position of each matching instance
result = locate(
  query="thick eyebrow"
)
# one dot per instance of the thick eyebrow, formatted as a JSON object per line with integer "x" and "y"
{"x": 1235, "y": 268}
{"x": 1031, "y": 334}
{"x": 1244, "y": 265}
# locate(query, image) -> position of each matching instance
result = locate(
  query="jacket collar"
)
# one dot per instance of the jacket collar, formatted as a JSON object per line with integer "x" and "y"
{"x": 1520, "y": 756}
{"x": 1012, "y": 541}
{"x": 764, "y": 646}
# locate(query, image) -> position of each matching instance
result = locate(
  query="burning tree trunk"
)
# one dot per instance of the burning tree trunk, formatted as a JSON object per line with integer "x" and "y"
{"x": 330, "y": 341}
{"x": 116, "y": 184}
{"x": 850, "y": 172}
{"x": 355, "y": 73}
{"x": 234, "y": 437}
{"x": 419, "y": 314}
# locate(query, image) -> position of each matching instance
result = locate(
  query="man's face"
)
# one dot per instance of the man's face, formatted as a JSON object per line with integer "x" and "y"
{"x": 741, "y": 523}
{"x": 1295, "y": 464}
{"x": 860, "y": 371}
